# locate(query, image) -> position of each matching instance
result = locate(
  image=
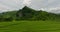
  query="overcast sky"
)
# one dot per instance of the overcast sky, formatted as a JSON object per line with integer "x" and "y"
{"x": 48, "y": 5}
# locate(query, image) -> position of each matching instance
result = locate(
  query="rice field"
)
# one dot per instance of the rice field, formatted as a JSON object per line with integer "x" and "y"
{"x": 30, "y": 26}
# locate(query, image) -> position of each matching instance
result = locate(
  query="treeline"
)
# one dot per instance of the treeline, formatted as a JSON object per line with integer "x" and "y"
{"x": 27, "y": 13}
{"x": 7, "y": 16}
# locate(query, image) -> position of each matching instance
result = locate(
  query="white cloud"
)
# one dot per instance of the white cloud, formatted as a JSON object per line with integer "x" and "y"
{"x": 27, "y": 2}
{"x": 35, "y": 4}
{"x": 6, "y": 5}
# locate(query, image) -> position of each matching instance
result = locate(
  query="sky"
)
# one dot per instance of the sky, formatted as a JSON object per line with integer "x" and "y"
{"x": 46, "y": 5}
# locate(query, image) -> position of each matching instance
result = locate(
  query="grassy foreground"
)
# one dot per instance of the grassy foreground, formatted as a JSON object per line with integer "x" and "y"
{"x": 30, "y": 26}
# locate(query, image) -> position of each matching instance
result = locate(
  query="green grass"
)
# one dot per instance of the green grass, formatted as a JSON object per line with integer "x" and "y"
{"x": 30, "y": 26}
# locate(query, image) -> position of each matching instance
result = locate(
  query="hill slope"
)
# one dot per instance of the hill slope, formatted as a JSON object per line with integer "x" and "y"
{"x": 27, "y": 13}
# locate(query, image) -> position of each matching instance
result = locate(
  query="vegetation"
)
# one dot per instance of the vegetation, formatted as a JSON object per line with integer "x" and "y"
{"x": 29, "y": 20}
{"x": 27, "y": 13}
{"x": 30, "y": 26}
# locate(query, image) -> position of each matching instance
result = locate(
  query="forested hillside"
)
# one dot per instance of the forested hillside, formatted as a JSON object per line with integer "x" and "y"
{"x": 27, "y": 13}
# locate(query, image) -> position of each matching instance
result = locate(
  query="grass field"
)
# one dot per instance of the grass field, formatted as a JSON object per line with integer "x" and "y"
{"x": 30, "y": 26}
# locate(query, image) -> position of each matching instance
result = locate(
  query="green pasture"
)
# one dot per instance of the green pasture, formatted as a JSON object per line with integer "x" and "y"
{"x": 30, "y": 26}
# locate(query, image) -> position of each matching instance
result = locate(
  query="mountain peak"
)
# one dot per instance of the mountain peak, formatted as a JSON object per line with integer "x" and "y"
{"x": 25, "y": 7}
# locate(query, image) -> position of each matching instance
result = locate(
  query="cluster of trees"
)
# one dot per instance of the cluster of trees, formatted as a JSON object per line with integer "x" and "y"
{"x": 27, "y": 13}
{"x": 7, "y": 16}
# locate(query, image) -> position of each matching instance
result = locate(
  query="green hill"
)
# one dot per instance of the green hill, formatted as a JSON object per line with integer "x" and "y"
{"x": 27, "y": 13}
{"x": 7, "y": 14}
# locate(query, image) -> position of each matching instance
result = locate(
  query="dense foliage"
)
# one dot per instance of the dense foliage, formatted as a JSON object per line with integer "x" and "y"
{"x": 27, "y": 13}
